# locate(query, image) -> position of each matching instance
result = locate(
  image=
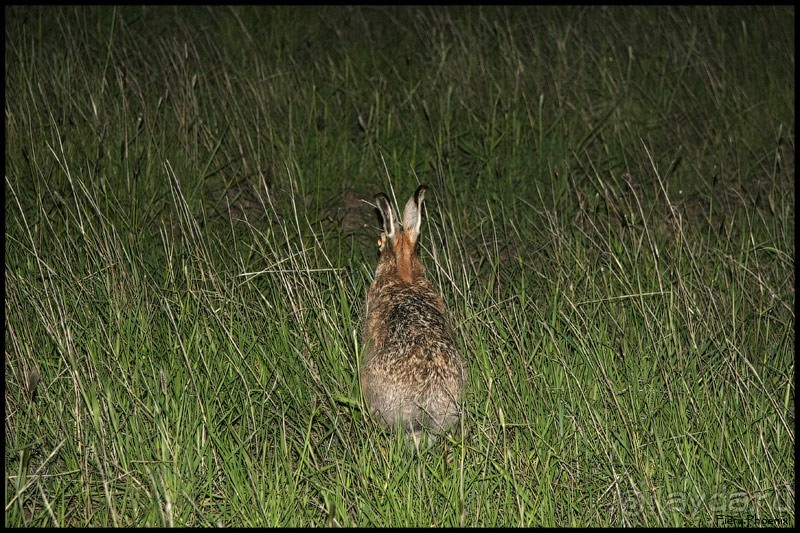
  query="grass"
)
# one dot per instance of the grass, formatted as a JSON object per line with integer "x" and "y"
{"x": 611, "y": 222}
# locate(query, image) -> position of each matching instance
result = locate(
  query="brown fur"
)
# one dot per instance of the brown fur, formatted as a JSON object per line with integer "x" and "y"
{"x": 413, "y": 376}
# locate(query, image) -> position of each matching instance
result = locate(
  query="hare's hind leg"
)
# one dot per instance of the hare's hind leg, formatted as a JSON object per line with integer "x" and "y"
{"x": 420, "y": 439}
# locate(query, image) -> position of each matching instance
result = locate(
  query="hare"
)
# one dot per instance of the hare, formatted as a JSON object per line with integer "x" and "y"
{"x": 412, "y": 375}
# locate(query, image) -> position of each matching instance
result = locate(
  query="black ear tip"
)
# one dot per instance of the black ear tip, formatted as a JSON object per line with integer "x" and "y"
{"x": 420, "y": 190}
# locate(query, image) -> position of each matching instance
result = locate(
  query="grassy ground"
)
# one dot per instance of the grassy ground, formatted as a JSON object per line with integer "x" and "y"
{"x": 610, "y": 220}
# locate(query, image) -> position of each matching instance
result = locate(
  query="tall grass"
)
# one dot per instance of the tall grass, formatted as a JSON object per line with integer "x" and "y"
{"x": 189, "y": 241}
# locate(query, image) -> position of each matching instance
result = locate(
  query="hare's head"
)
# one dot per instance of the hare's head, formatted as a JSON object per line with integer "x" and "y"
{"x": 398, "y": 244}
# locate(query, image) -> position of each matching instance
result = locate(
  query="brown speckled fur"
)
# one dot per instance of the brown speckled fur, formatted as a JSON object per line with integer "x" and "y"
{"x": 412, "y": 375}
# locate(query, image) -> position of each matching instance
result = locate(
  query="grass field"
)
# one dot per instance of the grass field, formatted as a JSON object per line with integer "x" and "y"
{"x": 189, "y": 240}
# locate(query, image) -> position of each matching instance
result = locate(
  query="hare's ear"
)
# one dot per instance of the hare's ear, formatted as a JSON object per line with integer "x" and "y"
{"x": 412, "y": 214}
{"x": 388, "y": 215}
